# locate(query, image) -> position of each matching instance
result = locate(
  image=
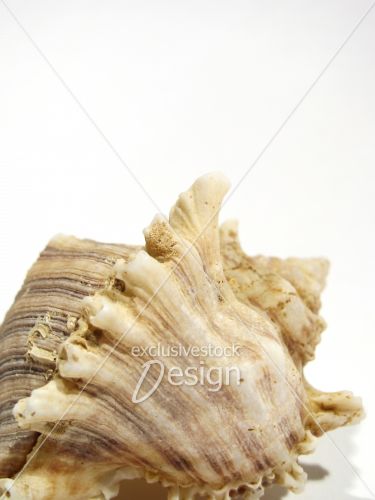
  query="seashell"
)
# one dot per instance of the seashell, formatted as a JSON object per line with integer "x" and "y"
{"x": 72, "y": 425}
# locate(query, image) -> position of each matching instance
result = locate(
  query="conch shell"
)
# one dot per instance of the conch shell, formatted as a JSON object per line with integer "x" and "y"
{"x": 70, "y": 424}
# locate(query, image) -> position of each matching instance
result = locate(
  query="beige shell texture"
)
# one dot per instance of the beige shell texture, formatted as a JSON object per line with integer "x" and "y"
{"x": 69, "y": 424}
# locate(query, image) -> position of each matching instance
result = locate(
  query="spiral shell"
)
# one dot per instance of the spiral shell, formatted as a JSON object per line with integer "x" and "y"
{"x": 72, "y": 425}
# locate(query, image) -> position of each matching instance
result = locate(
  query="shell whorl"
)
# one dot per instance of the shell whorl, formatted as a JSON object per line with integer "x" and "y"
{"x": 43, "y": 315}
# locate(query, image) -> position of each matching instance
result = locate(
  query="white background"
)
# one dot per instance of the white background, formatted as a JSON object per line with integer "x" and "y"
{"x": 183, "y": 88}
